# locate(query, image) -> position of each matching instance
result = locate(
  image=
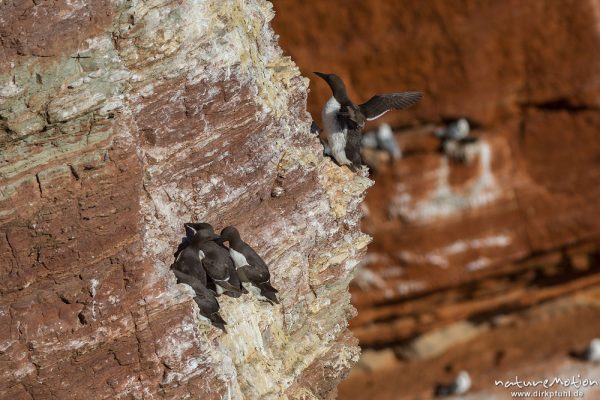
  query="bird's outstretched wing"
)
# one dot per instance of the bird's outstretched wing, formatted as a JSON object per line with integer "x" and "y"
{"x": 382, "y": 103}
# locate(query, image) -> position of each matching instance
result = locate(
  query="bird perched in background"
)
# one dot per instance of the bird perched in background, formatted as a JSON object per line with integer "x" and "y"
{"x": 382, "y": 139}
{"x": 456, "y": 130}
{"x": 343, "y": 120}
{"x": 456, "y": 142}
{"x": 386, "y": 141}
{"x": 208, "y": 304}
{"x": 460, "y": 385}
{"x": 249, "y": 265}
{"x": 369, "y": 140}
{"x": 216, "y": 262}
{"x": 591, "y": 353}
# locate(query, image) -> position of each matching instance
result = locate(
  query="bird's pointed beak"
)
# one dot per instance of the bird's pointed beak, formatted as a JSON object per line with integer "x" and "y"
{"x": 219, "y": 239}
{"x": 189, "y": 225}
{"x": 321, "y": 75}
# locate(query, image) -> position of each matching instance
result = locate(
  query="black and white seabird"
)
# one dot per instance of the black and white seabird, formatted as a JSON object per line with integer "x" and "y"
{"x": 250, "y": 266}
{"x": 343, "y": 120}
{"x": 387, "y": 142}
{"x": 455, "y": 130}
{"x": 208, "y": 304}
{"x": 188, "y": 269}
{"x": 189, "y": 259}
{"x": 456, "y": 142}
{"x": 591, "y": 353}
{"x": 190, "y": 230}
{"x": 383, "y": 139}
{"x": 460, "y": 385}
{"x": 218, "y": 265}
{"x": 369, "y": 140}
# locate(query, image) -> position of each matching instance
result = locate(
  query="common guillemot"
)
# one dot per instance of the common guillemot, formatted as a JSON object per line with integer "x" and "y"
{"x": 456, "y": 130}
{"x": 207, "y": 303}
{"x": 189, "y": 259}
{"x": 382, "y": 139}
{"x": 456, "y": 142}
{"x": 188, "y": 269}
{"x": 460, "y": 385}
{"x": 343, "y": 120}
{"x": 591, "y": 353}
{"x": 249, "y": 265}
{"x": 218, "y": 265}
{"x": 190, "y": 230}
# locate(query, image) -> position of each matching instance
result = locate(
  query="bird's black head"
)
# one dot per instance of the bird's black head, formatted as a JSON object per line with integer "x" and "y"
{"x": 322, "y": 75}
{"x": 192, "y": 227}
{"x": 337, "y": 86}
{"x": 204, "y": 225}
{"x": 230, "y": 234}
{"x": 204, "y": 234}
{"x": 332, "y": 79}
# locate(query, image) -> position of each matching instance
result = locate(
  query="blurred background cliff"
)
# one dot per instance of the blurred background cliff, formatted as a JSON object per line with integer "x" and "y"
{"x": 487, "y": 261}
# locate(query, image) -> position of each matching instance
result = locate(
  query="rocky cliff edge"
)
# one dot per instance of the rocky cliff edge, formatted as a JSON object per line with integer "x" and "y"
{"x": 120, "y": 121}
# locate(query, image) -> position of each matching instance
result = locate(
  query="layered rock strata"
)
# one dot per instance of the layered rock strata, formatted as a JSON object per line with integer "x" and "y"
{"x": 120, "y": 121}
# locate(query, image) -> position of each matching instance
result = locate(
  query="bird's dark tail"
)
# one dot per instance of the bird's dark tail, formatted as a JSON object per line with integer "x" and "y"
{"x": 218, "y": 322}
{"x": 270, "y": 295}
{"x": 229, "y": 287}
{"x": 315, "y": 129}
{"x": 267, "y": 286}
{"x": 269, "y": 292}
{"x": 235, "y": 295}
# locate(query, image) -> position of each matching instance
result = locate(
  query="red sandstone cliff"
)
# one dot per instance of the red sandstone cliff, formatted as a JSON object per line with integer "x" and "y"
{"x": 120, "y": 121}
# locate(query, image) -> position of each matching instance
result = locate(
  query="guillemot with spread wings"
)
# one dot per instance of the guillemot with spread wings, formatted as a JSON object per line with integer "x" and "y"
{"x": 343, "y": 120}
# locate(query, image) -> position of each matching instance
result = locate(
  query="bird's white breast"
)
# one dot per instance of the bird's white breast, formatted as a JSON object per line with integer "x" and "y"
{"x": 594, "y": 350}
{"x": 336, "y": 135}
{"x": 462, "y": 383}
{"x": 238, "y": 258}
{"x": 329, "y": 115}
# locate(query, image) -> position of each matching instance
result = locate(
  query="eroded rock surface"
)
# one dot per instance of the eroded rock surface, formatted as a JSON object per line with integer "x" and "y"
{"x": 120, "y": 121}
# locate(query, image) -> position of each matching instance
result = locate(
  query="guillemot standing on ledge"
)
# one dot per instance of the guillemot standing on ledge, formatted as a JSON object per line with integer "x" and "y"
{"x": 216, "y": 262}
{"x": 249, "y": 265}
{"x": 188, "y": 269}
{"x": 207, "y": 303}
{"x": 343, "y": 120}
{"x": 190, "y": 230}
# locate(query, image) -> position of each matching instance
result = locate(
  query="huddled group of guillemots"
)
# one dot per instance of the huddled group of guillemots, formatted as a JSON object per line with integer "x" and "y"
{"x": 203, "y": 262}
